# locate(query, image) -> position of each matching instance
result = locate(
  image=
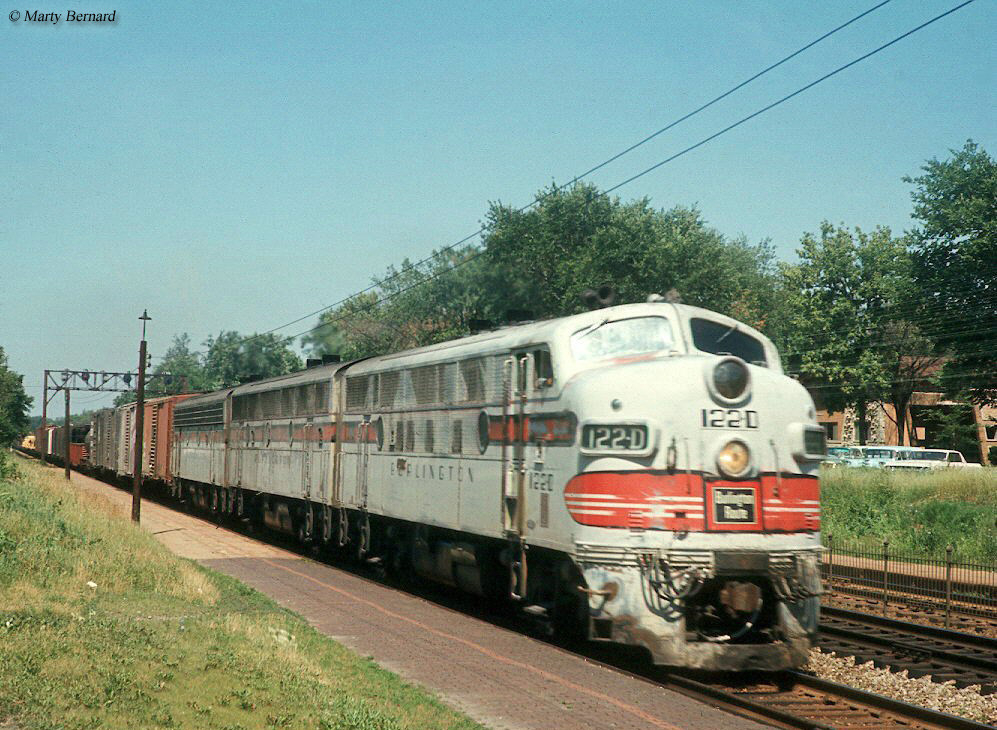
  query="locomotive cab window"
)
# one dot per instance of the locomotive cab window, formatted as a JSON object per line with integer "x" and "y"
{"x": 543, "y": 368}
{"x": 722, "y": 339}
{"x": 622, "y": 338}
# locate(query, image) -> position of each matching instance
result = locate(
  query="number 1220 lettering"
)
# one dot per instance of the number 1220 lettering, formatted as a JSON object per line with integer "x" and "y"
{"x": 729, "y": 418}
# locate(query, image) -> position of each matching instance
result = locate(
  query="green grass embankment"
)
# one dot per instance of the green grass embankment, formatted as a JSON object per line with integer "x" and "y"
{"x": 160, "y": 641}
{"x": 919, "y": 513}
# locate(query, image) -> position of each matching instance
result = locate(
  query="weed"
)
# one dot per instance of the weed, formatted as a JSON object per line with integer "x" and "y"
{"x": 160, "y": 641}
{"x": 919, "y": 513}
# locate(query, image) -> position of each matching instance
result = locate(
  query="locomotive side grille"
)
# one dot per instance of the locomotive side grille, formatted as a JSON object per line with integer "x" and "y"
{"x": 606, "y": 554}
{"x": 781, "y": 563}
{"x": 209, "y": 415}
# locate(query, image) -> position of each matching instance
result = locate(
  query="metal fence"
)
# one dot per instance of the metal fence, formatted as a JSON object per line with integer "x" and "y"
{"x": 878, "y": 572}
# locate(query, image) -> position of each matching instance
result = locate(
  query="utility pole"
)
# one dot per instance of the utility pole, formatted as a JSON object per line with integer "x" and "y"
{"x": 139, "y": 424}
{"x": 68, "y": 436}
{"x": 38, "y": 447}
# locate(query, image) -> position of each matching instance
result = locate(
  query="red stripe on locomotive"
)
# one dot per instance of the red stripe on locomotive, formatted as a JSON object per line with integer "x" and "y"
{"x": 685, "y": 502}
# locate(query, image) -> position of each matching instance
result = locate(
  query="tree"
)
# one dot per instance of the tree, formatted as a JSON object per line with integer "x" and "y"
{"x": 185, "y": 368}
{"x": 953, "y": 427}
{"x": 579, "y": 238}
{"x": 850, "y": 334}
{"x": 955, "y": 265}
{"x": 232, "y": 359}
{"x": 540, "y": 261}
{"x": 14, "y": 404}
{"x": 229, "y": 359}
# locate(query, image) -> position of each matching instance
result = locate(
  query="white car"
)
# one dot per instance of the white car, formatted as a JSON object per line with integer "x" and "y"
{"x": 931, "y": 459}
{"x": 875, "y": 457}
{"x": 879, "y": 456}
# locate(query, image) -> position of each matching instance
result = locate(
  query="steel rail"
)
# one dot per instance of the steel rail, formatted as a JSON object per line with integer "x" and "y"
{"x": 768, "y": 706}
{"x": 942, "y": 654}
{"x": 904, "y": 709}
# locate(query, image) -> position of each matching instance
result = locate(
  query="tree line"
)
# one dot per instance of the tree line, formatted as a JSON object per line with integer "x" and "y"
{"x": 861, "y": 316}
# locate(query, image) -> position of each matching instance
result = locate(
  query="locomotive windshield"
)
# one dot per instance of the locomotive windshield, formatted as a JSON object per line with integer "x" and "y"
{"x": 723, "y": 339}
{"x": 622, "y": 338}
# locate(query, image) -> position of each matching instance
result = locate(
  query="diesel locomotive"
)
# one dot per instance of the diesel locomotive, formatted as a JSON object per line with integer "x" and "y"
{"x": 643, "y": 474}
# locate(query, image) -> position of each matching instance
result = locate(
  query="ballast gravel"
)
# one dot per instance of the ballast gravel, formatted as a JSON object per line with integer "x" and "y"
{"x": 944, "y": 697}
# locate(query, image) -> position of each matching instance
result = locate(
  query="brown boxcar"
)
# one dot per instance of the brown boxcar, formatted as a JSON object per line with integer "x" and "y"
{"x": 158, "y": 434}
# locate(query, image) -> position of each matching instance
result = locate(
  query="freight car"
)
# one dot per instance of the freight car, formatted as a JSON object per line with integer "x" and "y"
{"x": 50, "y": 443}
{"x": 643, "y": 474}
{"x": 111, "y": 439}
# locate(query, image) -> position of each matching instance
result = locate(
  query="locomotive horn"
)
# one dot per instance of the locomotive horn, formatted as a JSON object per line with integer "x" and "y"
{"x": 604, "y": 296}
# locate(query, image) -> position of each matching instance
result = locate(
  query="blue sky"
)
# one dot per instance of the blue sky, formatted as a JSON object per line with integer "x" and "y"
{"x": 236, "y": 165}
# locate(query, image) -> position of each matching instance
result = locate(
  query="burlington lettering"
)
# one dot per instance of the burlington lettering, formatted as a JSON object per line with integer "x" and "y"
{"x": 439, "y": 472}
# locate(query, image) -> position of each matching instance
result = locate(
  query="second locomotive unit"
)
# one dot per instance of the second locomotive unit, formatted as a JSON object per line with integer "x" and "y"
{"x": 643, "y": 474}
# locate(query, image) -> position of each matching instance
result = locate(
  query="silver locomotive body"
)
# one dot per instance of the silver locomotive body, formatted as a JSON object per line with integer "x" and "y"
{"x": 642, "y": 474}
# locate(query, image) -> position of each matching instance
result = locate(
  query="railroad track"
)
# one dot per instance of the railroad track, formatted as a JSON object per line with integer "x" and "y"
{"x": 942, "y": 654}
{"x": 916, "y": 612}
{"x": 798, "y": 700}
{"x": 961, "y": 612}
{"x": 785, "y": 699}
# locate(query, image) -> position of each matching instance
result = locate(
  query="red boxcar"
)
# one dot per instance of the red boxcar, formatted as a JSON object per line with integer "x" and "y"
{"x": 158, "y": 433}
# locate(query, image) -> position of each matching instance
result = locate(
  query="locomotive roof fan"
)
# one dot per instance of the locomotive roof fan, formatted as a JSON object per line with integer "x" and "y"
{"x": 604, "y": 296}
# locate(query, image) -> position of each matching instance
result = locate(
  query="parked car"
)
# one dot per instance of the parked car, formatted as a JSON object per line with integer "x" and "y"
{"x": 855, "y": 457}
{"x": 836, "y": 456}
{"x": 878, "y": 456}
{"x": 932, "y": 459}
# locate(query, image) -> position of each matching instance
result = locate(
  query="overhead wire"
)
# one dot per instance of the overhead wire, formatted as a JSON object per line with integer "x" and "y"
{"x": 554, "y": 188}
{"x": 671, "y": 158}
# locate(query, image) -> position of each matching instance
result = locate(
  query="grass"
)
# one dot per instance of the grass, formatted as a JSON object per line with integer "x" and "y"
{"x": 158, "y": 641}
{"x": 920, "y": 513}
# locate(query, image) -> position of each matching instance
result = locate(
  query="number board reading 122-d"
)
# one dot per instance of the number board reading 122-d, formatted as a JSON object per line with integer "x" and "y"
{"x": 627, "y": 437}
{"x": 729, "y": 418}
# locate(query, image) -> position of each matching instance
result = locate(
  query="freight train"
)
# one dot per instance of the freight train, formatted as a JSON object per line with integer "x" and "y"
{"x": 643, "y": 474}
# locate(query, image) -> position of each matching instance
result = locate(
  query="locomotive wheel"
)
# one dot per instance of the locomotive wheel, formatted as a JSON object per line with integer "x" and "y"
{"x": 363, "y": 537}
{"x": 342, "y": 528}
{"x": 306, "y": 525}
{"x": 327, "y": 524}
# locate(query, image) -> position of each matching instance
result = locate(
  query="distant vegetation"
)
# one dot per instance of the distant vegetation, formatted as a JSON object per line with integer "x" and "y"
{"x": 921, "y": 513}
{"x": 14, "y": 405}
{"x": 160, "y": 641}
{"x": 862, "y": 315}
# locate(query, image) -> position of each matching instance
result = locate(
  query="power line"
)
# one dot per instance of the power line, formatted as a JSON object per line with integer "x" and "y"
{"x": 667, "y": 160}
{"x": 789, "y": 96}
{"x": 577, "y": 178}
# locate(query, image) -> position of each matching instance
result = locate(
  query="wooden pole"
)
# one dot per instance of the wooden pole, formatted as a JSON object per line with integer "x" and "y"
{"x": 38, "y": 446}
{"x": 68, "y": 436}
{"x": 139, "y": 426}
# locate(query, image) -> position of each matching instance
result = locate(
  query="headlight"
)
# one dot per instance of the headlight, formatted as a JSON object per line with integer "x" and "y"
{"x": 730, "y": 378}
{"x": 734, "y": 459}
